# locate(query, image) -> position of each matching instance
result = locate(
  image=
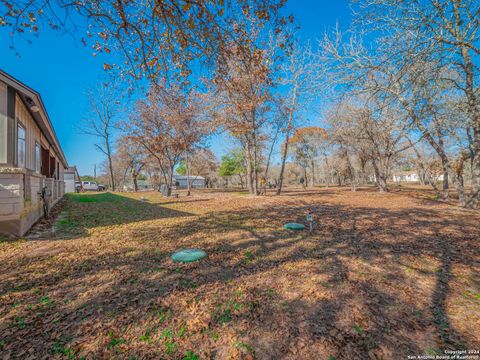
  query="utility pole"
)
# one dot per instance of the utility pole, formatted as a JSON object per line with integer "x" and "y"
{"x": 95, "y": 171}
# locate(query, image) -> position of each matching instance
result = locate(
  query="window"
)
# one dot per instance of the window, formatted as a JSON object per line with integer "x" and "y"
{"x": 3, "y": 123}
{"x": 38, "y": 157}
{"x": 21, "y": 146}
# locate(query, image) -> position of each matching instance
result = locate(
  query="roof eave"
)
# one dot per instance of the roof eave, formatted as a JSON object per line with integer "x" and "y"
{"x": 43, "y": 117}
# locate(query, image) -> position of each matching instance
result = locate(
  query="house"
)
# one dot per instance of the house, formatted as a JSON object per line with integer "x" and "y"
{"x": 70, "y": 176}
{"x": 406, "y": 176}
{"x": 142, "y": 185}
{"x": 412, "y": 176}
{"x": 181, "y": 181}
{"x": 31, "y": 158}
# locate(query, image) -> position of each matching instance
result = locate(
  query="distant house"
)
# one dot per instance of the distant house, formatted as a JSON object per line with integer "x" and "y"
{"x": 181, "y": 181}
{"x": 30, "y": 157}
{"x": 411, "y": 176}
{"x": 70, "y": 176}
{"x": 406, "y": 176}
{"x": 143, "y": 185}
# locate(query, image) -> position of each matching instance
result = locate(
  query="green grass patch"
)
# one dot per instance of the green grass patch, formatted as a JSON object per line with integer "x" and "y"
{"x": 245, "y": 346}
{"x": 114, "y": 341}
{"x": 190, "y": 356}
{"x": 188, "y": 284}
{"x": 92, "y": 197}
{"x": 358, "y": 329}
{"x": 20, "y": 322}
{"x": 59, "y": 348}
{"x": 471, "y": 294}
{"x": 45, "y": 300}
{"x": 147, "y": 336}
{"x": 163, "y": 314}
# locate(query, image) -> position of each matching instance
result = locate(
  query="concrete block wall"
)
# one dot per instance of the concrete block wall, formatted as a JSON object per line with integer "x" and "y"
{"x": 20, "y": 201}
{"x": 11, "y": 195}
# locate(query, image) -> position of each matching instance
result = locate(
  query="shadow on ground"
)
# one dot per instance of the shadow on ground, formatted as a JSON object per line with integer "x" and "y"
{"x": 368, "y": 283}
{"x": 89, "y": 210}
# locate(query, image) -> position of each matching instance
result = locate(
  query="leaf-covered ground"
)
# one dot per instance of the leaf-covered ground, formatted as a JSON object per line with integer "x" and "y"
{"x": 383, "y": 276}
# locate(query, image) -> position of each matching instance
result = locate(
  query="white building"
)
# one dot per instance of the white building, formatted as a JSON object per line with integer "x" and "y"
{"x": 406, "y": 176}
{"x": 70, "y": 175}
{"x": 181, "y": 181}
{"x": 142, "y": 185}
{"x": 412, "y": 176}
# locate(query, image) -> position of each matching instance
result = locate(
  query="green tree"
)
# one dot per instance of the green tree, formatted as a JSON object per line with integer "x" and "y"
{"x": 233, "y": 164}
{"x": 87, "y": 178}
{"x": 181, "y": 168}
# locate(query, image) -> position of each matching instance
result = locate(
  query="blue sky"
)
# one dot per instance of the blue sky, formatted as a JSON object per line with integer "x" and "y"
{"x": 63, "y": 72}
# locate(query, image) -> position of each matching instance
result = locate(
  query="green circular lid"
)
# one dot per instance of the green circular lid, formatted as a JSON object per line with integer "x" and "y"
{"x": 294, "y": 226}
{"x": 188, "y": 255}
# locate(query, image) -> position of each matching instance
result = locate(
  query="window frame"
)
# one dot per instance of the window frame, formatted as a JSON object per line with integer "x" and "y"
{"x": 38, "y": 157}
{"x": 21, "y": 126}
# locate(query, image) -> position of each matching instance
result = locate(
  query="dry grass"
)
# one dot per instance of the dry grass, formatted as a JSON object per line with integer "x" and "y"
{"x": 383, "y": 276}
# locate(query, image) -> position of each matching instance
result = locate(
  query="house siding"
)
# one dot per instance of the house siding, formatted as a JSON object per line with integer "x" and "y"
{"x": 20, "y": 203}
{"x": 33, "y": 133}
{"x": 3, "y": 122}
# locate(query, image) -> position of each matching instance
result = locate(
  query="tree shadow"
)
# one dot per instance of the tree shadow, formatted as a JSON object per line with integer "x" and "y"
{"x": 85, "y": 211}
{"x": 358, "y": 264}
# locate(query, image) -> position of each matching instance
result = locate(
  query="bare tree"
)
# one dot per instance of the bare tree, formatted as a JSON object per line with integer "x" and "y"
{"x": 305, "y": 143}
{"x": 301, "y": 75}
{"x": 201, "y": 162}
{"x": 133, "y": 157}
{"x": 100, "y": 122}
{"x": 243, "y": 91}
{"x": 426, "y": 53}
{"x": 194, "y": 128}
{"x": 163, "y": 124}
{"x": 373, "y": 131}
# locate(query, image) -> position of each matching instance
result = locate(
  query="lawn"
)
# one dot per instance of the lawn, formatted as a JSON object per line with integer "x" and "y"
{"x": 383, "y": 276}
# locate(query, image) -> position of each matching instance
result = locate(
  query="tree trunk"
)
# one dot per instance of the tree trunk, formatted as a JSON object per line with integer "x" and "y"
{"x": 380, "y": 179}
{"x": 475, "y": 180}
{"x": 328, "y": 174}
{"x": 287, "y": 138}
{"x": 187, "y": 167}
{"x": 474, "y": 113}
{"x": 134, "y": 180}
{"x": 241, "y": 180}
{"x": 255, "y": 165}
{"x": 351, "y": 172}
{"x": 248, "y": 161}
{"x": 271, "y": 152}
{"x": 284, "y": 159}
{"x": 445, "y": 184}
{"x": 313, "y": 173}
{"x": 457, "y": 180}
{"x": 110, "y": 163}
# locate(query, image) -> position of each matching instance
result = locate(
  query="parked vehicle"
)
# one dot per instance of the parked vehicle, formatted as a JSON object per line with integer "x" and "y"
{"x": 90, "y": 186}
{"x": 78, "y": 186}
